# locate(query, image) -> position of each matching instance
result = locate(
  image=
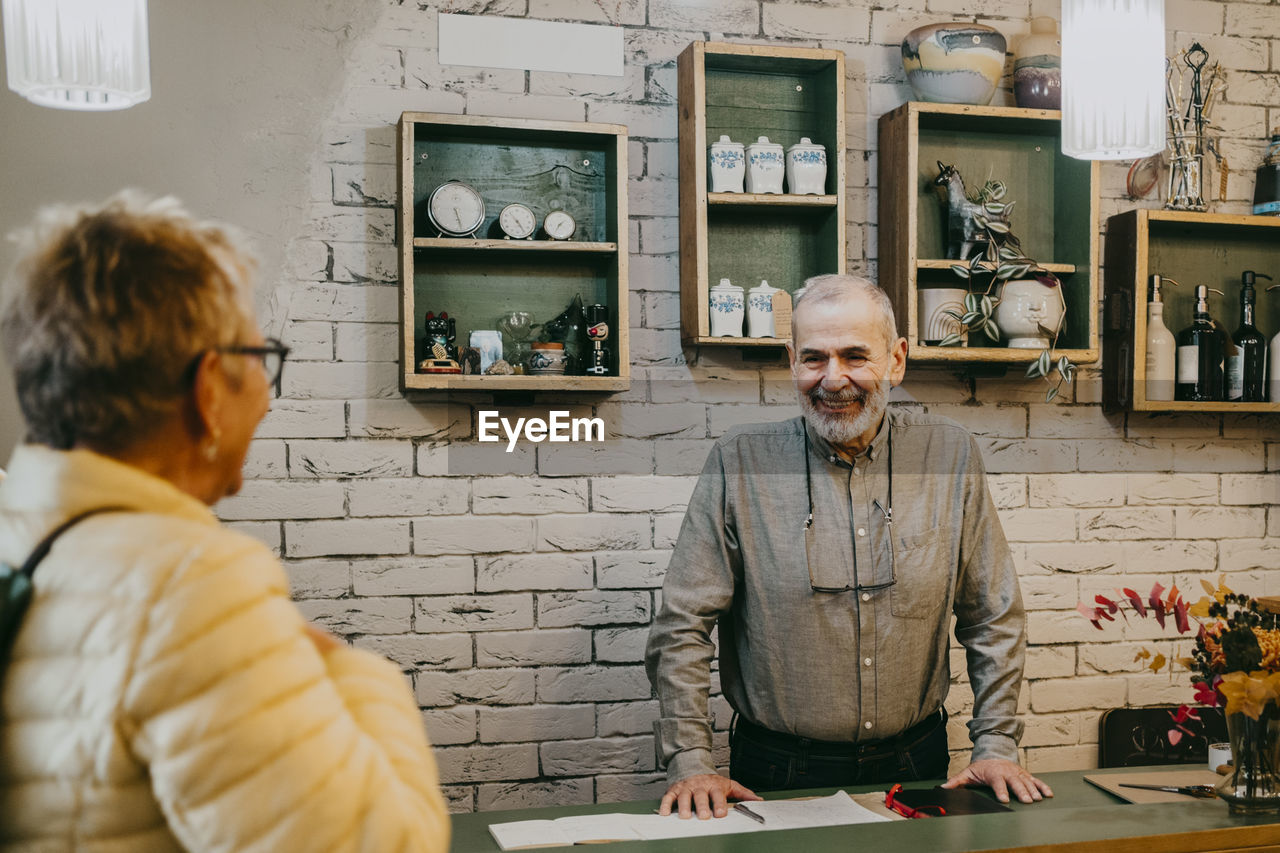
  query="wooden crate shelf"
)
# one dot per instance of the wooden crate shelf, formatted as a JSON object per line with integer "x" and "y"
{"x": 547, "y": 165}
{"x": 748, "y": 91}
{"x": 1055, "y": 217}
{"x": 1191, "y": 248}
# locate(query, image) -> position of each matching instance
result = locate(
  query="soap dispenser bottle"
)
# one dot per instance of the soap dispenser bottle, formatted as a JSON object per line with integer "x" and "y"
{"x": 1162, "y": 349}
{"x": 1200, "y": 352}
{"x": 1247, "y": 367}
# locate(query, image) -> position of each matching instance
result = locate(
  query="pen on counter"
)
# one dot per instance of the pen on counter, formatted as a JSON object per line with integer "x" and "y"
{"x": 742, "y": 807}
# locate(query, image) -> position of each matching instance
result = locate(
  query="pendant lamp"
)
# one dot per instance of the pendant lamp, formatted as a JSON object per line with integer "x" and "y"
{"x": 1113, "y": 105}
{"x": 78, "y": 54}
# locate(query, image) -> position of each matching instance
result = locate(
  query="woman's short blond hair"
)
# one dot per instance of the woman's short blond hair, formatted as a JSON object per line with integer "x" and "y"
{"x": 107, "y": 309}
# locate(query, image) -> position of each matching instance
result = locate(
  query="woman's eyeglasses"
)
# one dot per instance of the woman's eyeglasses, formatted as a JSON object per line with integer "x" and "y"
{"x": 272, "y": 354}
{"x": 905, "y": 810}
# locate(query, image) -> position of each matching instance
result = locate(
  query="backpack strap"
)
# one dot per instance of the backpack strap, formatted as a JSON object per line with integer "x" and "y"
{"x": 42, "y": 549}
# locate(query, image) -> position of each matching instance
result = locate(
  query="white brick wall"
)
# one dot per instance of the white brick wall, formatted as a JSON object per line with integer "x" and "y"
{"x": 516, "y": 589}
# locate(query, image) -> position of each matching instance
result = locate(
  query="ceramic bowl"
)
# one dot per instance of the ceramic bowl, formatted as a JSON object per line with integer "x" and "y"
{"x": 954, "y": 63}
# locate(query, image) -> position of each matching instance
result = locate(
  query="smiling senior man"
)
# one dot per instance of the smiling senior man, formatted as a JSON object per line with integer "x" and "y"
{"x": 832, "y": 551}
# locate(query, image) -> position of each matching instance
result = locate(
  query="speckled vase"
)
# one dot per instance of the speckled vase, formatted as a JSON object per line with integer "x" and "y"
{"x": 958, "y": 63}
{"x": 1037, "y": 67}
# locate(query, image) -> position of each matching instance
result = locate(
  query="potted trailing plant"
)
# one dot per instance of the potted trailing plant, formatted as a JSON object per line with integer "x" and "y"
{"x": 997, "y": 274}
{"x": 1235, "y": 663}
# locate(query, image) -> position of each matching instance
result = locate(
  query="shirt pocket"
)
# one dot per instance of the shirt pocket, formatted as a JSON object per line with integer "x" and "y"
{"x": 923, "y": 575}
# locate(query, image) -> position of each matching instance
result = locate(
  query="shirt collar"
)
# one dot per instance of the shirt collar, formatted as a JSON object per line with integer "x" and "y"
{"x": 872, "y": 451}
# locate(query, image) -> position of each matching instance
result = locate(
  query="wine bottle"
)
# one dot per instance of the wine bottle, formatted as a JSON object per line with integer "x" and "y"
{"x": 1161, "y": 346}
{"x": 1200, "y": 352}
{"x": 1247, "y": 369}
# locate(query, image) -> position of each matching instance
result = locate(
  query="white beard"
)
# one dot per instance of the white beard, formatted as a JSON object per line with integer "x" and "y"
{"x": 845, "y": 428}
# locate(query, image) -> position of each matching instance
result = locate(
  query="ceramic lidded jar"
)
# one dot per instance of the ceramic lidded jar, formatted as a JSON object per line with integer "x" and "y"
{"x": 726, "y": 166}
{"x": 764, "y": 166}
{"x": 760, "y": 310}
{"x": 1037, "y": 67}
{"x": 958, "y": 63}
{"x": 727, "y": 310}
{"x": 806, "y": 168}
{"x": 547, "y": 358}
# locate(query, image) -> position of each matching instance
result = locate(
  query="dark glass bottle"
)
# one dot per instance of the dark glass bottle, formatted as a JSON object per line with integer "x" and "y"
{"x": 1200, "y": 353}
{"x": 1247, "y": 368}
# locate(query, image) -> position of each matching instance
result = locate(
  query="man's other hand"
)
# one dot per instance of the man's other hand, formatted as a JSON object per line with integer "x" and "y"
{"x": 1004, "y": 777}
{"x": 708, "y": 793}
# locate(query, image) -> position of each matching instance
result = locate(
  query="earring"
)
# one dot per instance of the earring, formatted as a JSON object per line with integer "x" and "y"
{"x": 210, "y": 449}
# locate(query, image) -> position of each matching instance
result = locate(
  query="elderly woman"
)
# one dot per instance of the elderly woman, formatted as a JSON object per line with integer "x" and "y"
{"x": 163, "y": 692}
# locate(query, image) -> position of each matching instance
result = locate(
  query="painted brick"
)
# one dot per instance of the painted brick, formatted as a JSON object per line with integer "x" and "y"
{"x": 681, "y": 457}
{"x": 592, "y": 684}
{"x": 1050, "y": 662}
{"x": 458, "y": 799}
{"x": 304, "y": 419}
{"x": 621, "y": 645}
{"x": 351, "y": 536}
{"x": 571, "y": 758}
{"x": 729, "y": 16}
{"x": 1056, "y": 627}
{"x": 655, "y": 347}
{"x": 343, "y": 302}
{"x": 520, "y": 495}
{"x": 329, "y": 223}
{"x": 1038, "y": 525}
{"x": 530, "y": 795}
{"x": 619, "y": 788}
{"x": 607, "y": 532}
{"x": 265, "y": 461}
{"x": 1137, "y": 455}
{"x": 534, "y": 571}
{"x": 706, "y": 384}
{"x": 666, "y": 529}
{"x": 360, "y": 615}
{"x": 1178, "y": 556}
{"x": 626, "y": 718}
{"x": 537, "y": 723}
{"x": 403, "y": 419}
{"x": 1153, "y": 425}
{"x": 417, "y": 496}
{"x": 346, "y": 459}
{"x": 341, "y": 380}
{"x": 1250, "y": 489}
{"x": 473, "y": 613}
{"x": 1219, "y": 522}
{"x": 1050, "y": 593}
{"x": 1074, "y": 422}
{"x": 414, "y": 576}
{"x": 487, "y": 763}
{"x": 1158, "y": 690}
{"x": 1245, "y": 555}
{"x": 633, "y": 420}
{"x": 364, "y": 184}
{"x": 533, "y": 648}
{"x": 1070, "y": 694}
{"x": 1220, "y": 456}
{"x": 267, "y": 499}
{"x": 1106, "y": 658}
{"x": 560, "y": 609}
{"x": 367, "y": 341}
{"x": 472, "y": 535}
{"x": 624, "y": 456}
{"x": 631, "y": 569}
{"x": 1080, "y": 558}
{"x": 989, "y": 421}
{"x": 1172, "y": 488}
{"x": 721, "y": 419}
{"x": 1033, "y": 455}
{"x": 318, "y": 578}
{"x": 477, "y": 686}
{"x": 1055, "y": 730}
{"x": 661, "y": 311}
{"x": 1126, "y": 524}
{"x": 1077, "y": 490}
{"x": 1009, "y": 491}
{"x": 421, "y": 651}
{"x": 553, "y": 107}
{"x": 450, "y": 726}
{"x": 795, "y": 21}
{"x": 1048, "y": 759}
{"x": 472, "y": 459}
{"x": 654, "y": 272}
{"x": 641, "y": 494}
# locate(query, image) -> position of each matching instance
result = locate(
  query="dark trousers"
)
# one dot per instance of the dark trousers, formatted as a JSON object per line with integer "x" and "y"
{"x": 765, "y": 760}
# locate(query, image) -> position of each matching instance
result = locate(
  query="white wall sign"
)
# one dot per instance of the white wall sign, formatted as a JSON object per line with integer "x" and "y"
{"x": 494, "y": 42}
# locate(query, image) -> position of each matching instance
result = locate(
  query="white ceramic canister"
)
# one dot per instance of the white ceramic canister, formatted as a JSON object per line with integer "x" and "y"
{"x": 726, "y": 166}
{"x": 765, "y": 166}
{"x": 1025, "y": 306}
{"x": 806, "y": 168}
{"x": 760, "y": 310}
{"x": 727, "y": 310}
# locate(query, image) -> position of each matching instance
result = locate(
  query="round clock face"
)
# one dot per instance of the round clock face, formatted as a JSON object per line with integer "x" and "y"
{"x": 559, "y": 225}
{"x": 455, "y": 208}
{"x": 517, "y": 221}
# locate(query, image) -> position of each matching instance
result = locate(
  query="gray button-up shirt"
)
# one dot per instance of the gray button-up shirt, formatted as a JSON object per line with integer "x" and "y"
{"x": 848, "y": 665}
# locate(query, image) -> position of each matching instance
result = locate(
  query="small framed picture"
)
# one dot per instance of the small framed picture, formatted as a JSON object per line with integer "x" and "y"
{"x": 489, "y": 342}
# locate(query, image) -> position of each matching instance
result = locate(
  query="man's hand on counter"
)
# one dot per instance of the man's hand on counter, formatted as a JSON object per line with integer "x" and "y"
{"x": 1003, "y": 777}
{"x": 708, "y": 793}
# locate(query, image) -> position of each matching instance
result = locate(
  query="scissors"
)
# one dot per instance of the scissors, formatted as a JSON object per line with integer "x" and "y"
{"x": 1203, "y": 792}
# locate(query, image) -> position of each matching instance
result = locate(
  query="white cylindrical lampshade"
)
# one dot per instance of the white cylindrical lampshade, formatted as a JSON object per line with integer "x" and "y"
{"x": 1113, "y": 105}
{"x": 78, "y": 54}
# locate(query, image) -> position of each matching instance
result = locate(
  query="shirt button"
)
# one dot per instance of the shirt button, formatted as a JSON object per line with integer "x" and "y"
{"x": 867, "y": 724}
{"x": 862, "y": 531}
{"x": 866, "y": 661}
{"x": 866, "y": 596}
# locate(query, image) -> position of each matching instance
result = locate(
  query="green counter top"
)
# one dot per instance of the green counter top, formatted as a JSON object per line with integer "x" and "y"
{"x": 1079, "y": 817}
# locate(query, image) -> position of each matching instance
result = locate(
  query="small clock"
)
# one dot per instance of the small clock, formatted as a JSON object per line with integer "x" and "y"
{"x": 559, "y": 225}
{"x": 517, "y": 221}
{"x": 455, "y": 209}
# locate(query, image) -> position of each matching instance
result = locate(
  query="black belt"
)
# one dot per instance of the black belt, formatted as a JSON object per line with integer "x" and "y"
{"x": 860, "y": 749}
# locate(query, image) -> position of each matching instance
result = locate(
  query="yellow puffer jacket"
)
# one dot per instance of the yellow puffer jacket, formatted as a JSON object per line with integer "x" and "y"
{"x": 163, "y": 693}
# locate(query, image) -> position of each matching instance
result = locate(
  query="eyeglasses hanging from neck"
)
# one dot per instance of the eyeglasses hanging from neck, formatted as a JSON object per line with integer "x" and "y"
{"x": 886, "y": 512}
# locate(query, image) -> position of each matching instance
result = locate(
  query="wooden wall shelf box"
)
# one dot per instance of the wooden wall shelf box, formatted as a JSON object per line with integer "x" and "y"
{"x": 745, "y": 92}
{"x": 576, "y": 166}
{"x": 1055, "y": 217}
{"x": 1191, "y": 248}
